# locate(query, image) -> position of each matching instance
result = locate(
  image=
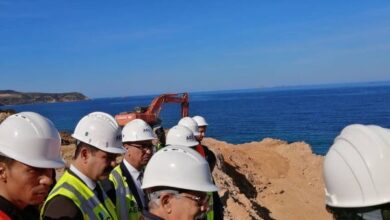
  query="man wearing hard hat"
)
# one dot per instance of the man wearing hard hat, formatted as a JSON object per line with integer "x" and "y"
{"x": 78, "y": 194}
{"x": 29, "y": 150}
{"x": 202, "y": 127}
{"x": 176, "y": 181}
{"x": 198, "y": 126}
{"x": 357, "y": 173}
{"x": 125, "y": 188}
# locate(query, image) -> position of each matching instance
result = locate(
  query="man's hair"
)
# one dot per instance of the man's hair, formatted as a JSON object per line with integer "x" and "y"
{"x": 6, "y": 160}
{"x": 80, "y": 145}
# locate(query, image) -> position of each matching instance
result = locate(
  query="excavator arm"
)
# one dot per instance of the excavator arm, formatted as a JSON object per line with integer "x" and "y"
{"x": 152, "y": 112}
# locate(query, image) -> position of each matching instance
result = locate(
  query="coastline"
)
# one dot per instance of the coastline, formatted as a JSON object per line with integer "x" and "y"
{"x": 11, "y": 97}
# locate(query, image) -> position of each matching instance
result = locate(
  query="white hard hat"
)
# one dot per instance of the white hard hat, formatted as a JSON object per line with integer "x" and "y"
{"x": 357, "y": 167}
{"x": 178, "y": 167}
{"x": 100, "y": 130}
{"x": 137, "y": 130}
{"x": 191, "y": 124}
{"x": 181, "y": 136}
{"x": 200, "y": 120}
{"x": 32, "y": 139}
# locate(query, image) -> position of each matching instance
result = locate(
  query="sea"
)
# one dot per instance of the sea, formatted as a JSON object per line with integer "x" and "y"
{"x": 315, "y": 115}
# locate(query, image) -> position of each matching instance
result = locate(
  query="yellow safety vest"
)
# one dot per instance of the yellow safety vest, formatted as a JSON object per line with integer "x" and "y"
{"x": 210, "y": 213}
{"x": 83, "y": 197}
{"x": 126, "y": 206}
{"x": 159, "y": 146}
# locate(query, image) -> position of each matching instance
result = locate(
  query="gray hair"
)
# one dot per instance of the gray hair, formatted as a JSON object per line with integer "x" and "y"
{"x": 154, "y": 197}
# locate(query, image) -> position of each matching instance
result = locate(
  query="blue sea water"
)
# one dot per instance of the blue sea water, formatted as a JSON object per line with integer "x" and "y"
{"x": 312, "y": 115}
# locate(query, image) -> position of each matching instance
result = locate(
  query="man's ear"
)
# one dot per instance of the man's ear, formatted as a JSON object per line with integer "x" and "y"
{"x": 3, "y": 172}
{"x": 84, "y": 154}
{"x": 166, "y": 203}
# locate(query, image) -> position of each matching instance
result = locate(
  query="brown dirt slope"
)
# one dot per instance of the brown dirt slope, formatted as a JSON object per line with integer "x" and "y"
{"x": 5, "y": 113}
{"x": 270, "y": 179}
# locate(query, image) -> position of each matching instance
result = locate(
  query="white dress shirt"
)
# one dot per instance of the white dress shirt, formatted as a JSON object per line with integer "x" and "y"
{"x": 135, "y": 174}
{"x": 90, "y": 183}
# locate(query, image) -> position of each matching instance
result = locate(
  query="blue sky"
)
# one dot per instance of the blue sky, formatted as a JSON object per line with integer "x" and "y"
{"x": 124, "y": 48}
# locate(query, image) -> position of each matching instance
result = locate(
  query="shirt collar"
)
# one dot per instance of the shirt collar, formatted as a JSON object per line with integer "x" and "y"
{"x": 133, "y": 172}
{"x": 90, "y": 183}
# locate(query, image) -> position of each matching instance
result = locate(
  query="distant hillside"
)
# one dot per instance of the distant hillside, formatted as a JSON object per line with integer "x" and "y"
{"x": 11, "y": 97}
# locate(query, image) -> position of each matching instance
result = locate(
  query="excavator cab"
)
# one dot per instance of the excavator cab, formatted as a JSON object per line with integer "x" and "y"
{"x": 140, "y": 109}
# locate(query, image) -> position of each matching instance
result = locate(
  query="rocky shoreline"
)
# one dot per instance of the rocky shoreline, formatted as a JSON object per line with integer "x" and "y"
{"x": 11, "y": 97}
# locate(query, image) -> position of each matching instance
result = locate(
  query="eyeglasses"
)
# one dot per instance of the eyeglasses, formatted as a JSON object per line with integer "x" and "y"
{"x": 200, "y": 200}
{"x": 144, "y": 147}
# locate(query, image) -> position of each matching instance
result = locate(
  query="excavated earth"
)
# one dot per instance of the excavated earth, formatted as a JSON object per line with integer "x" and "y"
{"x": 270, "y": 179}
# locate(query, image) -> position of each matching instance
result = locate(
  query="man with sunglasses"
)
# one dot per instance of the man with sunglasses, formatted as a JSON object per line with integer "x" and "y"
{"x": 124, "y": 186}
{"x": 176, "y": 181}
{"x": 357, "y": 174}
{"x": 78, "y": 193}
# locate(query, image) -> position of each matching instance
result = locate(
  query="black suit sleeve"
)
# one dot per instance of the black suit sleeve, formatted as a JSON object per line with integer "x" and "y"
{"x": 62, "y": 208}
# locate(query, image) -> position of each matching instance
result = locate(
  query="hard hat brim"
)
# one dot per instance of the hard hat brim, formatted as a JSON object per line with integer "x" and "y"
{"x": 204, "y": 188}
{"x": 114, "y": 150}
{"x": 40, "y": 163}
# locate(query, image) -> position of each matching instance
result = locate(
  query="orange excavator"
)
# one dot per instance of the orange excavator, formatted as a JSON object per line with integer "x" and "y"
{"x": 150, "y": 114}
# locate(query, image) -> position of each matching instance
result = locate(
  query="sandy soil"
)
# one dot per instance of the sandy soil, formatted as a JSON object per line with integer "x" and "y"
{"x": 270, "y": 179}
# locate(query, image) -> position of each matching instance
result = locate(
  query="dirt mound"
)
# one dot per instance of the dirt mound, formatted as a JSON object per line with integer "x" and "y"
{"x": 5, "y": 113}
{"x": 66, "y": 138}
{"x": 270, "y": 179}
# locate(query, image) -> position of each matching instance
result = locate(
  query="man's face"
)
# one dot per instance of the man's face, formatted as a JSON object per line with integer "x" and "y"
{"x": 138, "y": 153}
{"x": 25, "y": 185}
{"x": 101, "y": 164}
{"x": 202, "y": 131}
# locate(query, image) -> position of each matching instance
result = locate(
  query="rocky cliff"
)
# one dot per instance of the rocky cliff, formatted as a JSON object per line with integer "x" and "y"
{"x": 270, "y": 179}
{"x": 10, "y": 97}
{"x": 5, "y": 113}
